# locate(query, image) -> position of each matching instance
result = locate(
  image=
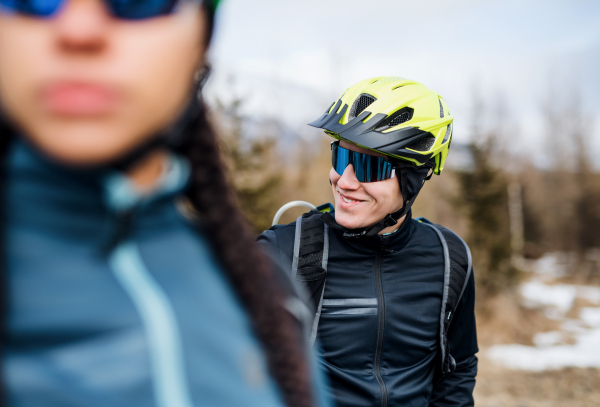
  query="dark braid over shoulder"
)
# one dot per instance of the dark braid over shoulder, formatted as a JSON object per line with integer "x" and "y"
{"x": 247, "y": 268}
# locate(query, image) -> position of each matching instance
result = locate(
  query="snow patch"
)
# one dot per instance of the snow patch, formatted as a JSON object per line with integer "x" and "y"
{"x": 536, "y": 293}
{"x": 550, "y": 351}
{"x": 590, "y": 316}
{"x": 584, "y": 353}
{"x": 548, "y": 338}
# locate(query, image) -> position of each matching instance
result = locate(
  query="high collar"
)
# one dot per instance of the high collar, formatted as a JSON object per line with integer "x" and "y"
{"x": 85, "y": 205}
{"x": 389, "y": 242}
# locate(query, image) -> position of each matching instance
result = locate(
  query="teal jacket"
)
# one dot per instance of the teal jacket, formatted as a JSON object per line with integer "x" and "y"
{"x": 115, "y": 299}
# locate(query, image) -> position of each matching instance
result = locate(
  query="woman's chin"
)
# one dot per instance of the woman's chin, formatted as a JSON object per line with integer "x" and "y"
{"x": 83, "y": 146}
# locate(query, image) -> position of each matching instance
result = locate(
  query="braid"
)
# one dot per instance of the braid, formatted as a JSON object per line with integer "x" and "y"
{"x": 246, "y": 267}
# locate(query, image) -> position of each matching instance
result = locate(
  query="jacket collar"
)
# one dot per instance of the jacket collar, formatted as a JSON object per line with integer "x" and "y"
{"x": 82, "y": 204}
{"x": 389, "y": 242}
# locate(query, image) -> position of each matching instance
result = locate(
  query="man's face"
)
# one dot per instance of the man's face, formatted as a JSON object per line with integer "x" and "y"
{"x": 362, "y": 204}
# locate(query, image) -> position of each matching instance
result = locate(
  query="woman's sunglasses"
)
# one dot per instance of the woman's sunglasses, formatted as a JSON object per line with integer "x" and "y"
{"x": 367, "y": 168}
{"x": 123, "y": 9}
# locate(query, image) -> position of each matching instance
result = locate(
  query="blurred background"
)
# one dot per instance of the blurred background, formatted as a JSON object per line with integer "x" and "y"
{"x": 522, "y": 181}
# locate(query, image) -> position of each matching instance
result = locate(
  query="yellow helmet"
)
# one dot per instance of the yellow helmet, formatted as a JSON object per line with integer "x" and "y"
{"x": 395, "y": 116}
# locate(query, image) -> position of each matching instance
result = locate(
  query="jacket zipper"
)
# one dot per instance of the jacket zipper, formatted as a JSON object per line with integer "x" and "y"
{"x": 123, "y": 221}
{"x": 380, "y": 328}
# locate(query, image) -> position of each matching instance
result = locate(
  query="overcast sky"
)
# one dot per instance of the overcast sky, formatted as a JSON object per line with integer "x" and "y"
{"x": 291, "y": 59}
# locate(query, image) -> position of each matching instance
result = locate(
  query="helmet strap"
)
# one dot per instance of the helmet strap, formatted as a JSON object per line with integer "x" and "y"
{"x": 391, "y": 219}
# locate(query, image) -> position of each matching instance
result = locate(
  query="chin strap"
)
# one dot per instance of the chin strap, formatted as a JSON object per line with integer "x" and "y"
{"x": 411, "y": 179}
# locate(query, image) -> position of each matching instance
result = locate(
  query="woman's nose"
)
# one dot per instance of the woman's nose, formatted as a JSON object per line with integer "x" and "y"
{"x": 82, "y": 26}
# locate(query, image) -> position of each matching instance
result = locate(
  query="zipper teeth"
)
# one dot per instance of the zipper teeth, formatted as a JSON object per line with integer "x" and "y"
{"x": 380, "y": 328}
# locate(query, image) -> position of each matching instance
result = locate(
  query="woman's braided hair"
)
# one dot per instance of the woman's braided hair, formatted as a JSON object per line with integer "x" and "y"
{"x": 249, "y": 271}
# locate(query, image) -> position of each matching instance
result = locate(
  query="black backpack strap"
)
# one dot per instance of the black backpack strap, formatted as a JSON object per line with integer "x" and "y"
{"x": 309, "y": 263}
{"x": 457, "y": 270}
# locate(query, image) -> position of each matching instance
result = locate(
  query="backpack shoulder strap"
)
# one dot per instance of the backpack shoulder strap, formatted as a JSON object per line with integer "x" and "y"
{"x": 309, "y": 263}
{"x": 309, "y": 259}
{"x": 457, "y": 270}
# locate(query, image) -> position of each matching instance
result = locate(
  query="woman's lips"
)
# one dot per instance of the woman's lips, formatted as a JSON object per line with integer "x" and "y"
{"x": 79, "y": 99}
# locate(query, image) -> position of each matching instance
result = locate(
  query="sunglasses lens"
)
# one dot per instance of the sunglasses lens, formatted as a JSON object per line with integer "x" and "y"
{"x": 36, "y": 8}
{"x": 123, "y": 9}
{"x": 367, "y": 168}
{"x": 140, "y": 9}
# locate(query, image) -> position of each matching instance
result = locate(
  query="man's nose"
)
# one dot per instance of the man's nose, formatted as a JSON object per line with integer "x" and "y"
{"x": 348, "y": 179}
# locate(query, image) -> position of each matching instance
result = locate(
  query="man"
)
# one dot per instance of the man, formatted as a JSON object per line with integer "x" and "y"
{"x": 377, "y": 278}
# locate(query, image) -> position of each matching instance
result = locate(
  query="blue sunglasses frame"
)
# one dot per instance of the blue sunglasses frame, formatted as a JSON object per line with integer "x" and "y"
{"x": 367, "y": 168}
{"x": 122, "y": 9}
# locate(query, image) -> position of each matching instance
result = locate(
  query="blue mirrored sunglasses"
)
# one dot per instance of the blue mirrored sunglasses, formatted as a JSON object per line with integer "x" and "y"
{"x": 367, "y": 168}
{"x": 123, "y": 9}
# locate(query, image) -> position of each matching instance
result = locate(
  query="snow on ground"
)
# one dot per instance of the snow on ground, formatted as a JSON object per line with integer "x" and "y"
{"x": 550, "y": 350}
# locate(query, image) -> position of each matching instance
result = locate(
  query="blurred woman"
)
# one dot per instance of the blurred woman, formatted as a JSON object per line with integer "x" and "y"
{"x": 116, "y": 293}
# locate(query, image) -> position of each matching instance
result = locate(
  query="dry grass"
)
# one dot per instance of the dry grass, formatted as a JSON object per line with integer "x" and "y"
{"x": 501, "y": 387}
{"x": 503, "y": 320}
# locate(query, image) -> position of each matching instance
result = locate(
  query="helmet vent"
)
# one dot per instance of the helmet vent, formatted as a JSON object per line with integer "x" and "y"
{"x": 441, "y": 109}
{"x": 398, "y": 117}
{"x": 448, "y": 134}
{"x": 360, "y": 104}
{"x": 423, "y": 144}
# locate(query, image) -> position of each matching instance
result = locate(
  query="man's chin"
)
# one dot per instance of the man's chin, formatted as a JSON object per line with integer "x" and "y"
{"x": 348, "y": 221}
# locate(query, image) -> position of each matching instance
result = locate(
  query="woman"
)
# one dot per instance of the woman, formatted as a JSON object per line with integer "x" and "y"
{"x": 113, "y": 297}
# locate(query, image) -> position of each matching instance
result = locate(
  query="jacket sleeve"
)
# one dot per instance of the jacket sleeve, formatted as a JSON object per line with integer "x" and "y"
{"x": 457, "y": 389}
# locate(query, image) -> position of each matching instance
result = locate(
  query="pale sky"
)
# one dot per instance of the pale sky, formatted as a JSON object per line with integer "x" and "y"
{"x": 291, "y": 59}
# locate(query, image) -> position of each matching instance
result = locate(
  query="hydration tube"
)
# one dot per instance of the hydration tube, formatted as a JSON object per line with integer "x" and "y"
{"x": 291, "y": 205}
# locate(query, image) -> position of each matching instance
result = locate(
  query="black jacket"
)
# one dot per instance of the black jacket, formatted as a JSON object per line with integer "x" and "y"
{"x": 398, "y": 277}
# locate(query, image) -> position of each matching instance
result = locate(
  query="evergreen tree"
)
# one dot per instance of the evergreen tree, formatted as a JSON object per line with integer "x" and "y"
{"x": 253, "y": 165}
{"x": 483, "y": 198}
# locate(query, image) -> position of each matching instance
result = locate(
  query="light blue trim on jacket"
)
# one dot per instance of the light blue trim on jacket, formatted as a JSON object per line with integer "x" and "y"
{"x": 122, "y": 194}
{"x": 158, "y": 317}
{"x": 150, "y": 300}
